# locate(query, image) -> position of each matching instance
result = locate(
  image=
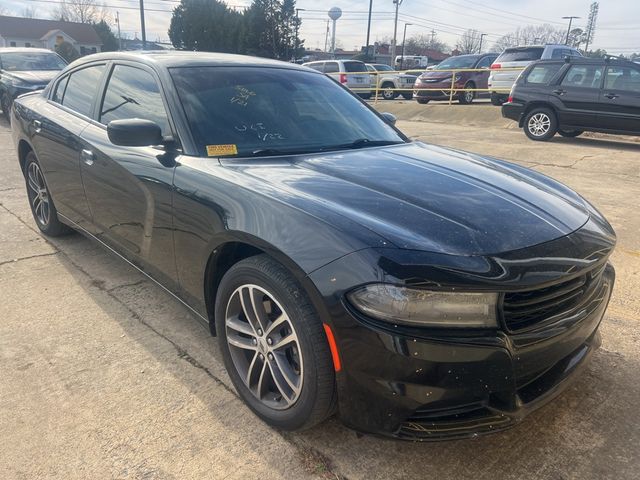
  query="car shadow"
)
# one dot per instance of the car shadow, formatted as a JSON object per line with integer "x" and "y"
{"x": 613, "y": 142}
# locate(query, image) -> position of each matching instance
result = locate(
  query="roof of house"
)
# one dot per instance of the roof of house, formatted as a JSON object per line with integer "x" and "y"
{"x": 36, "y": 28}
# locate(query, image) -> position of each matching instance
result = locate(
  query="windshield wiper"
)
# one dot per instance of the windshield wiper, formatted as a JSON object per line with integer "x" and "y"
{"x": 363, "y": 142}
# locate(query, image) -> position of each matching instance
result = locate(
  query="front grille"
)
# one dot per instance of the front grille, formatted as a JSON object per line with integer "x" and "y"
{"x": 521, "y": 310}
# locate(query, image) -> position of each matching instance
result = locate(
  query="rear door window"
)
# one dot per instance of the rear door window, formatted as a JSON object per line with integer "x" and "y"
{"x": 352, "y": 67}
{"x": 584, "y": 76}
{"x": 485, "y": 62}
{"x": 82, "y": 89}
{"x": 527, "y": 54}
{"x": 542, "y": 74}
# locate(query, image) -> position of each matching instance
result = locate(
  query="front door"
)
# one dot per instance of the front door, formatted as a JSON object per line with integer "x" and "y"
{"x": 128, "y": 188}
{"x": 620, "y": 99}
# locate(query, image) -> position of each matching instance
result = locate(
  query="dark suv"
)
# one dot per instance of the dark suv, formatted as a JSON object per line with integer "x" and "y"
{"x": 436, "y": 84}
{"x": 574, "y": 95}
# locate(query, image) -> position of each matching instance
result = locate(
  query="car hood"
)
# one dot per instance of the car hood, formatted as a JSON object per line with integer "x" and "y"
{"x": 39, "y": 77}
{"x": 423, "y": 197}
{"x": 437, "y": 75}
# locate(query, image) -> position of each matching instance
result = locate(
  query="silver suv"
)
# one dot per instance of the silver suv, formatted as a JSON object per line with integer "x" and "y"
{"x": 514, "y": 60}
{"x": 390, "y": 83}
{"x": 353, "y": 74}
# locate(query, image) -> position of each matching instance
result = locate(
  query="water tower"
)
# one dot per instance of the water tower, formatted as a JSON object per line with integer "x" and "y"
{"x": 334, "y": 14}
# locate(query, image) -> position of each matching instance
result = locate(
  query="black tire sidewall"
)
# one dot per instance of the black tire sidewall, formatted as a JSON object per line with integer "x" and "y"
{"x": 553, "y": 125}
{"x": 306, "y": 324}
{"x": 570, "y": 133}
{"x": 393, "y": 92}
{"x": 462, "y": 95}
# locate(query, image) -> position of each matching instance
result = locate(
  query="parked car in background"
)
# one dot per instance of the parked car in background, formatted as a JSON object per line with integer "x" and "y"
{"x": 24, "y": 70}
{"x": 436, "y": 84}
{"x": 414, "y": 291}
{"x": 353, "y": 74}
{"x": 389, "y": 83}
{"x": 576, "y": 95}
{"x": 411, "y": 61}
{"x": 509, "y": 65}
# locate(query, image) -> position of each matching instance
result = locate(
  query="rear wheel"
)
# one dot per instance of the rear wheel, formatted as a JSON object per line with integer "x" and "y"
{"x": 467, "y": 96}
{"x": 570, "y": 133}
{"x": 540, "y": 124}
{"x": 407, "y": 96}
{"x": 273, "y": 344}
{"x": 497, "y": 99}
{"x": 388, "y": 91}
{"x": 42, "y": 207}
{"x": 365, "y": 96}
{"x": 422, "y": 101}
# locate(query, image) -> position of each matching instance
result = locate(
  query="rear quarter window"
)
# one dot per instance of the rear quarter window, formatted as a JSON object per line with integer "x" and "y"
{"x": 542, "y": 74}
{"x": 520, "y": 54}
{"x": 354, "y": 67}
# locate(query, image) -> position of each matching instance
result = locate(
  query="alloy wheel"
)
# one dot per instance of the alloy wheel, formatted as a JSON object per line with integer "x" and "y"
{"x": 468, "y": 97}
{"x": 38, "y": 194}
{"x": 264, "y": 346}
{"x": 539, "y": 124}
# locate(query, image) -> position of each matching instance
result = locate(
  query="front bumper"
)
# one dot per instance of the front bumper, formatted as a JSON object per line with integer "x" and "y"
{"x": 429, "y": 384}
{"x": 435, "y": 90}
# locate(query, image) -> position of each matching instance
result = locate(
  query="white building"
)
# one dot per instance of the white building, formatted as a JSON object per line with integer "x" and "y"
{"x": 36, "y": 32}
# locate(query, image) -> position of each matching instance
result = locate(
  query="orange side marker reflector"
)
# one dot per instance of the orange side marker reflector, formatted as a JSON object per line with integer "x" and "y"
{"x": 337, "y": 366}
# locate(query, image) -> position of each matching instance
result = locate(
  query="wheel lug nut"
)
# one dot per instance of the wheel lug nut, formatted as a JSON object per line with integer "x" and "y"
{"x": 259, "y": 332}
{"x": 269, "y": 341}
{"x": 261, "y": 357}
{"x": 270, "y": 355}
{"x": 254, "y": 341}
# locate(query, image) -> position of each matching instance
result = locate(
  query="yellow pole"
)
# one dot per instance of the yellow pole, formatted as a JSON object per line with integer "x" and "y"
{"x": 453, "y": 77}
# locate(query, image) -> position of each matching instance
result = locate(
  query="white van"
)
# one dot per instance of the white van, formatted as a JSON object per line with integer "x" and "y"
{"x": 411, "y": 62}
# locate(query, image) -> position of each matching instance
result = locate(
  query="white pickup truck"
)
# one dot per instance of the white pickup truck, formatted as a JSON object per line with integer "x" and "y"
{"x": 389, "y": 83}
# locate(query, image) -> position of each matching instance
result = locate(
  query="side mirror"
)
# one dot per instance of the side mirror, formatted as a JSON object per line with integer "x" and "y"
{"x": 134, "y": 132}
{"x": 390, "y": 118}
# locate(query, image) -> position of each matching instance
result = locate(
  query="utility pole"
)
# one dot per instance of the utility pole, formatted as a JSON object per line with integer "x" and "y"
{"x": 482, "y": 35}
{"x": 570, "y": 18}
{"x": 297, "y": 46}
{"x": 369, "y": 27}
{"x": 326, "y": 37}
{"x": 404, "y": 37}
{"x": 144, "y": 33}
{"x": 395, "y": 33}
{"x": 433, "y": 36}
{"x": 119, "y": 36}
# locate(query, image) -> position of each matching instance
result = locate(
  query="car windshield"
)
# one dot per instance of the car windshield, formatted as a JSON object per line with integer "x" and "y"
{"x": 251, "y": 111}
{"x": 27, "y": 61}
{"x": 383, "y": 68}
{"x": 520, "y": 54}
{"x": 457, "y": 62}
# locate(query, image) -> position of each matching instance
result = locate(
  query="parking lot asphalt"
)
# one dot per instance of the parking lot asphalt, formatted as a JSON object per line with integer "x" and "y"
{"x": 104, "y": 375}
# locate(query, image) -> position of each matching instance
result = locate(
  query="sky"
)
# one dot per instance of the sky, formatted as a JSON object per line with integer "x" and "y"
{"x": 618, "y": 27}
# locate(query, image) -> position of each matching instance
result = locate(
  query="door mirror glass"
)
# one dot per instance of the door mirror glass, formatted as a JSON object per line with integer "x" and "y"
{"x": 390, "y": 118}
{"x": 134, "y": 132}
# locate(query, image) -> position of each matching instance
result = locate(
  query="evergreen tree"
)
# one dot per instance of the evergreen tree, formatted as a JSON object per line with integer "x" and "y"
{"x": 109, "y": 40}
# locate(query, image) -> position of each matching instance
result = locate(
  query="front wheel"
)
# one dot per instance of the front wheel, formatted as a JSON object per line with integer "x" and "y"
{"x": 407, "y": 96}
{"x": 570, "y": 133}
{"x": 540, "y": 124}
{"x": 42, "y": 207}
{"x": 273, "y": 345}
{"x": 422, "y": 101}
{"x": 388, "y": 91}
{"x": 497, "y": 99}
{"x": 467, "y": 96}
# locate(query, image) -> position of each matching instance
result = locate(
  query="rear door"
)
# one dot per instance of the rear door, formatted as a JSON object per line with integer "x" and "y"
{"x": 128, "y": 188}
{"x": 577, "y": 95}
{"x": 58, "y": 143}
{"x": 481, "y": 78}
{"x": 620, "y": 99}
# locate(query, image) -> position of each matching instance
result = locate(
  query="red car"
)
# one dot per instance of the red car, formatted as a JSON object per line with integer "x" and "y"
{"x": 428, "y": 85}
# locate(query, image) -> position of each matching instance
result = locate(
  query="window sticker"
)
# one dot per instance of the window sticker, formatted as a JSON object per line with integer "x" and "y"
{"x": 219, "y": 150}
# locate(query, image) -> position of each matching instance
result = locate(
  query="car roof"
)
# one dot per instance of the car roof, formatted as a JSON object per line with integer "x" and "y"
{"x": 586, "y": 60}
{"x": 24, "y": 50}
{"x": 175, "y": 58}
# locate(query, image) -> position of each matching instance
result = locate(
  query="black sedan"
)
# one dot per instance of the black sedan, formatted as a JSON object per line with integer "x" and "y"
{"x": 415, "y": 291}
{"x": 24, "y": 70}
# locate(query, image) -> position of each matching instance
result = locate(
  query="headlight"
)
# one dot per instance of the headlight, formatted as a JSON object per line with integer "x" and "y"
{"x": 425, "y": 308}
{"x": 458, "y": 77}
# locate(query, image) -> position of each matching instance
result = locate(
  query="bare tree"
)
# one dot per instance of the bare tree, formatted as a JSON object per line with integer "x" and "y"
{"x": 469, "y": 42}
{"x": 29, "y": 12}
{"x": 81, "y": 11}
{"x": 591, "y": 24}
{"x": 530, "y": 35}
{"x": 417, "y": 44}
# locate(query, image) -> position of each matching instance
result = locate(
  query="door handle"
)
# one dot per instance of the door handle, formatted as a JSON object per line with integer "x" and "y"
{"x": 559, "y": 91}
{"x": 87, "y": 157}
{"x": 37, "y": 126}
{"x": 611, "y": 96}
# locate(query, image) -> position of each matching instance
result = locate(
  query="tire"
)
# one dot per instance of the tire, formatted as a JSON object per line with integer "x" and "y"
{"x": 422, "y": 101}
{"x": 407, "y": 96}
{"x": 465, "y": 98}
{"x": 365, "y": 96}
{"x": 5, "y": 105}
{"x": 497, "y": 99}
{"x": 388, "y": 91}
{"x": 42, "y": 207}
{"x": 249, "y": 352}
{"x": 540, "y": 124}
{"x": 570, "y": 133}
